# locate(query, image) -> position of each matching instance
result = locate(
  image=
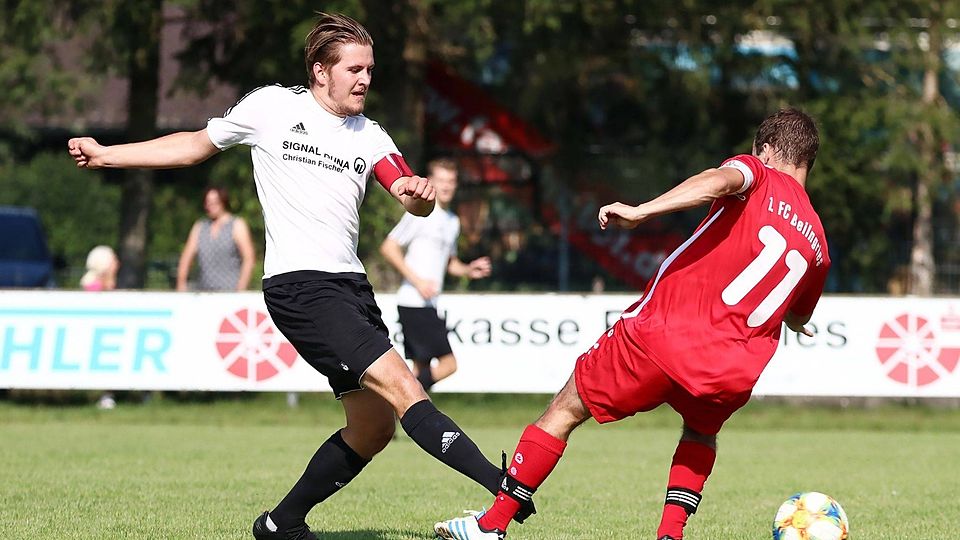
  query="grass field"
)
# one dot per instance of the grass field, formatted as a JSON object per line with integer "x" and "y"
{"x": 176, "y": 470}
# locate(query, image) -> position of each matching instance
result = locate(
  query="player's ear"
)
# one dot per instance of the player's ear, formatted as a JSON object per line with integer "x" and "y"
{"x": 319, "y": 73}
{"x": 765, "y": 153}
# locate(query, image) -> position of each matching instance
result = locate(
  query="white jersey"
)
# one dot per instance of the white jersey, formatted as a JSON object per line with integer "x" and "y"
{"x": 430, "y": 241}
{"x": 311, "y": 169}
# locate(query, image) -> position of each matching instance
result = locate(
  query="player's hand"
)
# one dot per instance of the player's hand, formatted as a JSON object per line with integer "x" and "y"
{"x": 86, "y": 151}
{"x": 418, "y": 187}
{"x": 426, "y": 288}
{"x": 621, "y": 215}
{"x": 800, "y": 329}
{"x": 479, "y": 268}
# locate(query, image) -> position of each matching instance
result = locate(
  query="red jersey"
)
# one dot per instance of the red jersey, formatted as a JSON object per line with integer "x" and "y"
{"x": 711, "y": 316}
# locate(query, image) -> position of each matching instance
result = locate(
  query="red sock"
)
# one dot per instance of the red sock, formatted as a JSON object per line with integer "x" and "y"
{"x": 692, "y": 464}
{"x": 537, "y": 454}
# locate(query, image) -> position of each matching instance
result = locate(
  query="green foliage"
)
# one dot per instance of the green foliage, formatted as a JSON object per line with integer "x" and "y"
{"x": 639, "y": 95}
{"x": 636, "y": 95}
{"x": 32, "y": 75}
{"x": 77, "y": 208}
{"x": 256, "y": 44}
{"x": 379, "y": 213}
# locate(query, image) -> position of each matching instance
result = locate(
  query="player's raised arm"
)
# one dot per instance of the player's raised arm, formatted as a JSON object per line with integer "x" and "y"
{"x": 697, "y": 190}
{"x": 176, "y": 150}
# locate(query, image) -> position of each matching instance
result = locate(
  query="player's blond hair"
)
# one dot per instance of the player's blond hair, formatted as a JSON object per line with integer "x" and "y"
{"x": 323, "y": 42}
{"x": 441, "y": 163}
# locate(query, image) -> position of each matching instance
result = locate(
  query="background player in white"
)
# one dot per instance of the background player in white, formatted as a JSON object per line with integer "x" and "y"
{"x": 431, "y": 252}
{"x": 313, "y": 152}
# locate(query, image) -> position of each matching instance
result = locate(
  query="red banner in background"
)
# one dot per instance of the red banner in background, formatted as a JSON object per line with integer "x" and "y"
{"x": 462, "y": 117}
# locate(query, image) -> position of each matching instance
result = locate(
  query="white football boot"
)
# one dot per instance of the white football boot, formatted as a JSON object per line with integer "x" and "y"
{"x": 466, "y": 528}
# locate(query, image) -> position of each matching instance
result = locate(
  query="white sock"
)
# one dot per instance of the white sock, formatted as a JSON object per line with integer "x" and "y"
{"x": 270, "y": 524}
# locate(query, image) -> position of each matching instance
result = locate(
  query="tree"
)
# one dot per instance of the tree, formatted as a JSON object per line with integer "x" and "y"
{"x": 889, "y": 55}
{"x": 115, "y": 36}
{"x": 931, "y": 134}
{"x": 136, "y": 32}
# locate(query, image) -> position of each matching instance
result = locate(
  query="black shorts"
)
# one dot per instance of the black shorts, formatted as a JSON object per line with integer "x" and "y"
{"x": 332, "y": 320}
{"x": 424, "y": 333}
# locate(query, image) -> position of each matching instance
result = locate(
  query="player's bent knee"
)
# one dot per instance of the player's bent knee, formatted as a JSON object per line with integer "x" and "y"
{"x": 408, "y": 390}
{"x": 562, "y": 417}
{"x": 371, "y": 437}
{"x": 381, "y": 437}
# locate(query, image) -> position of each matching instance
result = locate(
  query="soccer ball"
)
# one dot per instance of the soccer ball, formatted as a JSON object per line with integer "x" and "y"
{"x": 810, "y": 516}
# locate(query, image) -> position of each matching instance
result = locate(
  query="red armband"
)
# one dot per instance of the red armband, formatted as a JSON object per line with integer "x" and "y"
{"x": 390, "y": 169}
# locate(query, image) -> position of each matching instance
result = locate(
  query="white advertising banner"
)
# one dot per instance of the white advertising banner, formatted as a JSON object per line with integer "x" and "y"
{"x": 504, "y": 343}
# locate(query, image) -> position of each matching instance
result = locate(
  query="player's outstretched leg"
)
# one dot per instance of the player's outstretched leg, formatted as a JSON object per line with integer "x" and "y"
{"x": 432, "y": 430}
{"x": 370, "y": 425}
{"x": 538, "y": 452}
{"x": 692, "y": 463}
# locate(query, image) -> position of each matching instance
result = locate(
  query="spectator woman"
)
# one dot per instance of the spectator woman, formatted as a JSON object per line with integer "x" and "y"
{"x": 222, "y": 245}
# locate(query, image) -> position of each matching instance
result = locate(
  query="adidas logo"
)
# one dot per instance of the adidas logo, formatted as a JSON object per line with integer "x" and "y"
{"x": 447, "y": 439}
{"x": 299, "y": 129}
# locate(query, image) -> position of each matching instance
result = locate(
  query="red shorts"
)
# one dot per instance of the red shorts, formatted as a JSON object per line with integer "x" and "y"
{"x": 617, "y": 379}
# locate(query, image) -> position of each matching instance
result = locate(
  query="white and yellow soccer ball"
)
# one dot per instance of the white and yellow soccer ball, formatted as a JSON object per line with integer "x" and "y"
{"x": 810, "y": 516}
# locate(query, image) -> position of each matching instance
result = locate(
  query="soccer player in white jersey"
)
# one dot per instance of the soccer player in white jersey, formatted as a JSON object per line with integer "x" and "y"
{"x": 313, "y": 152}
{"x": 431, "y": 252}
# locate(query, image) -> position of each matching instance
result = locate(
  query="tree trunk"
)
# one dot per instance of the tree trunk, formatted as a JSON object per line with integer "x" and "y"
{"x": 415, "y": 58}
{"x": 141, "y": 23}
{"x": 399, "y": 45}
{"x": 922, "y": 263}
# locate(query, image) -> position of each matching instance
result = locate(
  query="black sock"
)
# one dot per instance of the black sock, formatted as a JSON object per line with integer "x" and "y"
{"x": 424, "y": 375}
{"x": 436, "y": 433}
{"x": 332, "y": 467}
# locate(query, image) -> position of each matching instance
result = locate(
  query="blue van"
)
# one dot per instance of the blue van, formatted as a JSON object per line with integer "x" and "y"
{"x": 24, "y": 257}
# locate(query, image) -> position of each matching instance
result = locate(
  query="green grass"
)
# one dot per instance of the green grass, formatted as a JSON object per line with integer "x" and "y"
{"x": 189, "y": 470}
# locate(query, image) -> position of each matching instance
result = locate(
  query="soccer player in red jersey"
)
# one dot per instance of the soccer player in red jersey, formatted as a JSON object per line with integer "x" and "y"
{"x": 703, "y": 331}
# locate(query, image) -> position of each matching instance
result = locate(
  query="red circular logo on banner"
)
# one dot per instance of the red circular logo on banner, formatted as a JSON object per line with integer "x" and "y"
{"x": 910, "y": 353}
{"x": 251, "y": 347}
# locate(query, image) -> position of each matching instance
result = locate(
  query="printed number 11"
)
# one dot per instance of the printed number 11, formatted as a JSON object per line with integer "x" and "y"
{"x": 774, "y": 244}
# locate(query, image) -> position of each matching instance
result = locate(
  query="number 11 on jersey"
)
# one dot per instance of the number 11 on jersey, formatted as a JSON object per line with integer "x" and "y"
{"x": 774, "y": 244}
